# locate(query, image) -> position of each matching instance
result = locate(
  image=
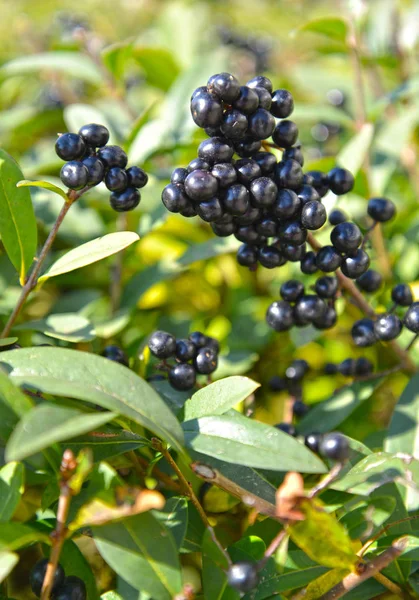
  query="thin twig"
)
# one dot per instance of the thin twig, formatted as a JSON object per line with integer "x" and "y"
{"x": 390, "y": 585}
{"x": 68, "y": 466}
{"x": 32, "y": 281}
{"x": 370, "y": 569}
{"x": 327, "y": 480}
{"x": 188, "y": 491}
{"x": 272, "y": 548}
{"x": 384, "y": 530}
{"x": 359, "y": 300}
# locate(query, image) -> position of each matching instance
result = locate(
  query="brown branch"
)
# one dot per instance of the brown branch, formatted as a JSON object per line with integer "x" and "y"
{"x": 327, "y": 480}
{"x": 68, "y": 466}
{"x": 32, "y": 281}
{"x": 358, "y": 299}
{"x": 189, "y": 493}
{"x": 370, "y": 569}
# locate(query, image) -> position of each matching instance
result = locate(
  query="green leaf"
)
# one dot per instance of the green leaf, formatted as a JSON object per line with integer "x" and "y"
{"x": 116, "y": 56}
{"x": 330, "y": 413}
{"x": 411, "y": 550}
{"x": 237, "y": 439}
{"x": 8, "y": 341}
{"x": 8, "y": 560}
{"x": 143, "y": 552}
{"x": 334, "y": 28}
{"x": 74, "y": 563}
{"x": 46, "y": 185}
{"x": 68, "y": 327}
{"x": 47, "y": 424}
{"x": 317, "y": 588}
{"x": 76, "y": 115}
{"x": 73, "y": 64}
{"x": 395, "y": 133}
{"x": 17, "y": 218}
{"x": 158, "y": 64}
{"x": 322, "y": 537}
{"x": 403, "y": 433}
{"x": 91, "y": 252}
{"x": 353, "y": 154}
{"x": 174, "y": 516}
{"x": 11, "y": 489}
{"x": 15, "y": 535}
{"x": 13, "y": 405}
{"x": 376, "y": 470}
{"x": 107, "y": 442}
{"x": 93, "y": 378}
{"x": 218, "y": 397}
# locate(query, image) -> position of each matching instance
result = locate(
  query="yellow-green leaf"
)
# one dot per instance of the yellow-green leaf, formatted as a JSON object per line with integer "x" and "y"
{"x": 324, "y": 583}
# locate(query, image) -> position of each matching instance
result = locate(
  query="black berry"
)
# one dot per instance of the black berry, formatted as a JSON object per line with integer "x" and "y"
{"x": 401, "y": 294}
{"x": 411, "y": 318}
{"x": 126, "y": 200}
{"x": 319, "y": 181}
{"x": 308, "y": 263}
{"x": 94, "y": 135}
{"x": 287, "y": 428}
{"x": 247, "y": 256}
{"x": 263, "y": 192}
{"x": 291, "y": 290}
{"x": 312, "y": 441}
{"x": 182, "y": 377}
{"x": 236, "y": 199}
{"x": 38, "y": 574}
{"x": 260, "y": 81}
{"x": 215, "y": 150}
{"x": 381, "y": 209}
{"x": 261, "y": 124}
{"x": 225, "y": 173}
{"x": 137, "y": 177}
{"x": 280, "y": 316}
{"x": 225, "y": 86}
{"x": 270, "y": 257}
{"x": 116, "y": 354}
{"x": 70, "y": 146}
{"x": 174, "y": 198}
{"x": 73, "y": 588}
{"x": 347, "y": 367}
{"x": 206, "y": 110}
{"x": 234, "y": 125}
{"x": 326, "y": 287}
{"x": 201, "y": 185}
{"x": 74, "y": 175}
{"x": 387, "y": 327}
{"x": 206, "y": 360}
{"x": 116, "y": 179}
{"x": 334, "y": 446}
{"x": 341, "y": 181}
{"x": 328, "y": 259}
{"x": 363, "y": 367}
{"x": 370, "y": 281}
{"x": 337, "y": 216}
{"x": 363, "y": 333}
{"x": 199, "y": 339}
{"x": 162, "y": 344}
{"x": 313, "y": 215}
{"x": 354, "y": 266}
{"x": 289, "y": 174}
{"x": 96, "y": 170}
{"x": 243, "y": 576}
{"x": 299, "y": 409}
{"x": 113, "y": 156}
{"x": 346, "y": 237}
{"x": 278, "y": 384}
{"x": 285, "y": 134}
{"x": 286, "y": 205}
{"x": 247, "y": 100}
{"x": 282, "y": 104}
{"x": 297, "y": 369}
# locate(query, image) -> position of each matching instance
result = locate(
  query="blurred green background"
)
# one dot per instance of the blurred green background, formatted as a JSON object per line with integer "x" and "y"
{"x": 132, "y": 65}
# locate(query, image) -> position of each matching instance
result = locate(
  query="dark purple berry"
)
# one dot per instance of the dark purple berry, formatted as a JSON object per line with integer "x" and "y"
{"x": 225, "y": 86}
{"x": 206, "y": 360}
{"x": 225, "y": 173}
{"x": 289, "y": 174}
{"x": 70, "y": 146}
{"x": 308, "y": 264}
{"x": 337, "y": 216}
{"x": 286, "y": 205}
{"x": 182, "y": 377}
{"x": 94, "y": 135}
{"x": 291, "y": 290}
{"x": 328, "y": 259}
{"x": 411, "y": 318}
{"x": 126, "y": 200}
{"x": 174, "y": 198}
{"x": 243, "y": 576}
{"x": 285, "y": 134}
{"x": 263, "y": 192}
{"x": 334, "y": 446}
{"x": 270, "y": 257}
{"x": 381, "y": 209}
{"x": 237, "y": 199}
{"x": 287, "y": 428}
{"x": 234, "y": 125}
{"x": 402, "y": 295}
{"x": 74, "y": 175}
{"x": 206, "y": 110}
{"x": 116, "y": 354}
{"x": 319, "y": 181}
{"x": 387, "y": 327}
{"x": 363, "y": 333}
{"x": 215, "y": 150}
{"x": 37, "y": 576}
{"x": 247, "y": 100}
{"x": 266, "y": 162}
{"x": 282, "y": 104}
{"x": 260, "y": 81}
{"x": 280, "y": 316}
{"x": 326, "y": 287}
{"x": 370, "y": 281}
{"x": 116, "y": 179}
{"x": 113, "y": 156}
{"x": 313, "y": 215}
{"x": 355, "y": 265}
{"x": 96, "y": 170}
{"x": 341, "y": 181}
{"x": 185, "y": 350}
{"x": 312, "y": 441}
{"x": 261, "y": 124}
{"x": 247, "y": 256}
{"x": 346, "y": 237}
{"x": 201, "y": 185}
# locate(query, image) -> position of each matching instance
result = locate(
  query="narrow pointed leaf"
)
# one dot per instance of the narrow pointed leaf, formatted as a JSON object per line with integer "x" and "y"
{"x": 11, "y": 489}
{"x": 70, "y": 327}
{"x": 46, "y": 185}
{"x": 74, "y": 64}
{"x": 8, "y": 560}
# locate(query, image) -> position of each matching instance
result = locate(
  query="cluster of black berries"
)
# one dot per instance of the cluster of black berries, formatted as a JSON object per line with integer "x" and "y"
{"x": 350, "y": 367}
{"x": 300, "y": 309}
{"x": 387, "y": 326}
{"x": 266, "y": 204}
{"x": 292, "y": 382}
{"x": 195, "y": 355}
{"x": 64, "y": 588}
{"x": 91, "y": 161}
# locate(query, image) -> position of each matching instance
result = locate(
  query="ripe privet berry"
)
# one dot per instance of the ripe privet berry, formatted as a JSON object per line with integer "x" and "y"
{"x": 295, "y": 153}
{"x": 199, "y": 339}
{"x": 174, "y": 198}
{"x": 328, "y": 259}
{"x": 285, "y": 134}
{"x": 206, "y": 109}
{"x": 286, "y": 205}
{"x": 282, "y": 104}
{"x": 293, "y": 253}
{"x": 308, "y": 263}
{"x": 237, "y": 199}
{"x": 280, "y": 316}
{"x": 270, "y": 257}
{"x": 312, "y": 441}
{"x": 94, "y": 135}
{"x": 243, "y": 576}
{"x": 225, "y": 173}
{"x": 363, "y": 367}
{"x": 137, "y": 177}
{"x": 263, "y": 192}
{"x": 261, "y": 124}
{"x": 247, "y": 170}
{"x": 319, "y": 181}
{"x": 297, "y": 369}
{"x": 334, "y": 446}
{"x": 267, "y": 227}
{"x": 116, "y": 354}
{"x": 341, "y": 181}
{"x": 70, "y": 146}
{"x": 313, "y": 215}
{"x": 265, "y": 99}
{"x": 37, "y": 576}
{"x": 182, "y": 377}
{"x": 326, "y": 287}
{"x": 287, "y": 428}
{"x": 370, "y": 281}
{"x": 278, "y": 384}
{"x": 266, "y": 162}
{"x": 201, "y": 185}
{"x": 299, "y": 409}
{"x": 346, "y": 237}
{"x": 225, "y": 86}
{"x": 354, "y": 266}
{"x": 198, "y": 163}
{"x": 74, "y": 175}
{"x": 185, "y": 350}
{"x": 289, "y": 174}
{"x": 363, "y": 333}
{"x": 206, "y": 360}
{"x": 247, "y": 101}
{"x": 307, "y": 193}
{"x": 73, "y": 588}
{"x": 179, "y": 175}
{"x": 116, "y": 179}
{"x": 215, "y": 150}
{"x": 234, "y": 125}
{"x": 260, "y": 81}
{"x": 387, "y": 327}
{"x": 247, "y": 256}
{"x": 337, "y": 216}
{"x": 291, "y": 232}
{"x": 401, "y": 294}
{"x": 381, "y": 209}
{"x": 247, "y": 147}
{"x": 210, "y": 210}
{"x": 96, "y": 170}
{"x": 113, "y": 156}
{"x": 291, "y": 290}
{"x": 347, "y": 367}
{"x": 126, "y": 200}
{"x": 162, "y": 344}
{"x": 327, "y": 320}
{"x": 308, "y": 308}
{"x": 411, "y": 318}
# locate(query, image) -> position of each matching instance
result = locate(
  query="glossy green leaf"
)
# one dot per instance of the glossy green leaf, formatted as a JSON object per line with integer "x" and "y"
{"x": 323, "y": 538}
{"x": 174, "y": 516}
{"x": 93, "y": 378}
{"x": 403, "y": 433}
{"x": 91, "y": 252}
{"x": 70, "y": 327}
{"x": 158, "y": 64}
{"x": 47, "y": 424}
{"x": 18, "y": 228}
{"x": 45, "y": 185}
{"x": 237, "y": 439}
{"x": 15, "y": 535}
{"x": 11, "y": 489}
{"x": 353, "y": 154}
{"x": 8, "y": 341}
{"x": 73, "y": 64}
{"x": 8, "y": 560}
{"x": 333, "y": 28}
{"x": 330, "y": 413}
{"x": 106, "y": 442}
{"x": 143, "y": 552}
{"x": 74, "y": 563}
{"x": 218, "y": 397}
{"x": 13, "y": 405}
